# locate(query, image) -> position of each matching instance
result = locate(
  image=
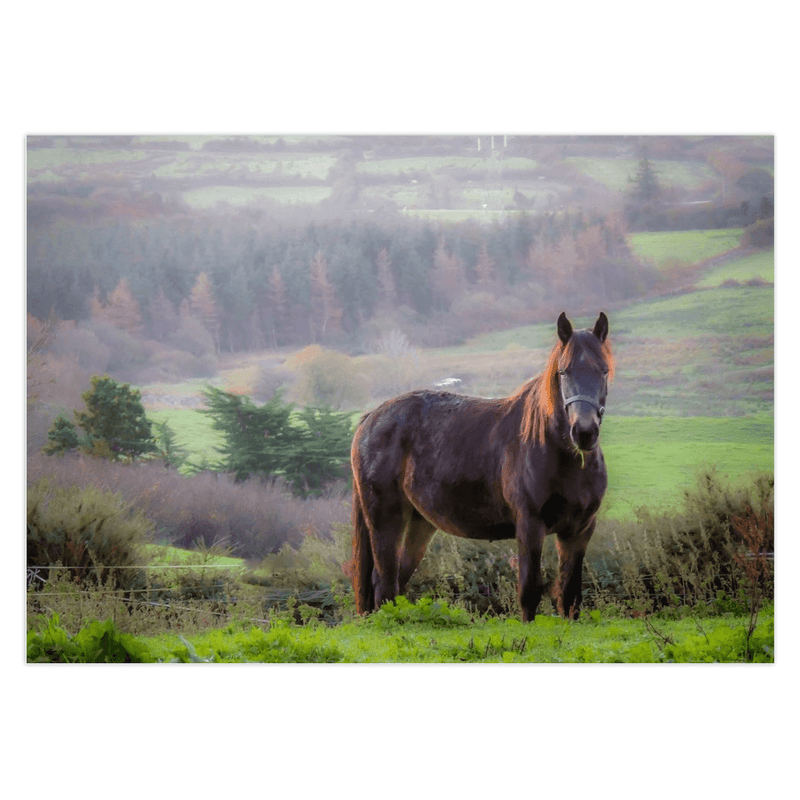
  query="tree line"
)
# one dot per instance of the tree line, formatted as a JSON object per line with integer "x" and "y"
{"x": 252, "y": 286}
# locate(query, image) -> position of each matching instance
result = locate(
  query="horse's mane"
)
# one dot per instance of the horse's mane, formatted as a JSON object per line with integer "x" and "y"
{"x": 539, "y": 395}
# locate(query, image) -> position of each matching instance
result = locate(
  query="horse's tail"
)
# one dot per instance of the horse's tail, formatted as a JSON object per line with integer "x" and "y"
{"x": 363, "y": 562}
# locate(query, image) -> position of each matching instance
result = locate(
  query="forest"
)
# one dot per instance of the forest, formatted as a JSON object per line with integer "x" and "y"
{"x": 247, "y": 274}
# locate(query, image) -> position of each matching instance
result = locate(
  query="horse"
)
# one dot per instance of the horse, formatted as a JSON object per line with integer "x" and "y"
{"x": 519, "y": 467}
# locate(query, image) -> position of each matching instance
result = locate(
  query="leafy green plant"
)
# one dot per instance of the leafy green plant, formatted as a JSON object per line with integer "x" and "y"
{"x": 402, "y": 611}
{"x": 97, "y": 642}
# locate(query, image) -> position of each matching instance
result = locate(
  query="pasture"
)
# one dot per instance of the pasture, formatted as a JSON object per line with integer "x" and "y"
{"x": 694, "y": 386}
{"x": 690, "y": 246}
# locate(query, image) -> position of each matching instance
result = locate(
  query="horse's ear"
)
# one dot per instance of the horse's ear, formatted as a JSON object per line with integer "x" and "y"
{"x": 601, "y": 327}
{"x": 564, "y": 328}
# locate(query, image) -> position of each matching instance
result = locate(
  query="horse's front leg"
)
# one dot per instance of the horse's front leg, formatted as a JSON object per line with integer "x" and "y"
{"x": 571, "y": 551}
{"x": 530, "y": 540}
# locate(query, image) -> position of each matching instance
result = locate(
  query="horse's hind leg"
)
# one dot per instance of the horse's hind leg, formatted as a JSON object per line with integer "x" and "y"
{"x": 419, "y": 532}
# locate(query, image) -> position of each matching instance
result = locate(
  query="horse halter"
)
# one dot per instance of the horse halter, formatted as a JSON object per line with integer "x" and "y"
{"x": 582, "y": 398}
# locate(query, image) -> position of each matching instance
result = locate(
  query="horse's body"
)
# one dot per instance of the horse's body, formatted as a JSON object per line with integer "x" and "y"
{"x": 517, "y": 467}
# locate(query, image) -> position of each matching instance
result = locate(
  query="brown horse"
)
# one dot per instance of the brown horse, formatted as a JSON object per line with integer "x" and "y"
{"x": 517, "y": 467}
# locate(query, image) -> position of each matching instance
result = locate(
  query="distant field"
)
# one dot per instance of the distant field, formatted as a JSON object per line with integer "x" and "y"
{"x": 689, "y": 246}
{"x": 615, "y": 173}
{"x": 209, "y": 196}
{"x": 650, "y": 460}
{"x": 398, "y": 166}
{"x": 694, "y": 384}
{"x": 760, "y": 265}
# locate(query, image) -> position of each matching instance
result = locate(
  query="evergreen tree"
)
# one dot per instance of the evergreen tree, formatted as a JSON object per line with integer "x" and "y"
{"x": 307, "y": 449}
{"x": 645, "y": 183}
{"x": 114, "y": 422}
{"x": 62, "y": 436}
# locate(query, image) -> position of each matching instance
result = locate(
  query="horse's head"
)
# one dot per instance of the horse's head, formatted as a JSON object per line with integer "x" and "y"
{"x": 584, "y": 367}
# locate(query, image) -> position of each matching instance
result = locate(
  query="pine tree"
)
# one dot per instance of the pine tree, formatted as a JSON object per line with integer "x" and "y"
{"x": 308, "y": 449}
{"x": 114, "y": 424}
{"x": 645, "y": 183}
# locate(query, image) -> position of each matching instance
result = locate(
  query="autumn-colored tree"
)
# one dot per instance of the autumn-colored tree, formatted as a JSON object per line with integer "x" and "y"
{"x": 121, "y": 310}
{"x": 326, "y": 313}
{"x": 329, "y": 378}
{"x": 729, "y": 167}
{"x": 485, "y": 266}
{"x": 204, "y": 307}
{"x": 448, "y": 278}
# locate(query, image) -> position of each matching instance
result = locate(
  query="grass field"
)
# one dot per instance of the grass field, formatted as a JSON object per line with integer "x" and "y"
{"x": 616, "y": 173}
{"x": 689, "y": 246}
{"x": 758, "y": 266}
{"x": 694, "y": 385}
{"x": 434, "y": 633}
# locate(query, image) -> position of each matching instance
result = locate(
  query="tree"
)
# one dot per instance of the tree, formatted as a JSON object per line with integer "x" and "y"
{"x": 645, "y": 183}
{"x": 308, "y": 449}
{"x": 204, "y": 307}
{"x": 62, "y": 436}
{"x": 121, "y": 310}
{"x": 329, "y": 378}
{"x": 386, "y": 288}
{"x": 277, "y": 307}
{"x": 326, "y": 314}
{"x": 163, "y": 318}
{"x": 114, "y": 421}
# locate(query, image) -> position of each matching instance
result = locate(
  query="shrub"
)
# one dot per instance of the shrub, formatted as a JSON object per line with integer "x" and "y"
{"x": 96, "y": 535}
{"x": 691, "y": 559}
{"x": 329, "y": 378}
{"x": 204, "y": 509}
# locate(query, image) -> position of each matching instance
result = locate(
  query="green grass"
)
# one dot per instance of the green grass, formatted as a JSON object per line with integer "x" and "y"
{"x": 651, "y": 461}
{"x": 689, "y": 246}
{"x": 434, "y": 633}
{"x": 615, "y": 173}
{"x": 723, "y": 311}
{"x": 759, "y": 265}
{"x": 694, "y": 387}
{"x": 193, "y": 431}
{"x": 208, "y": 197}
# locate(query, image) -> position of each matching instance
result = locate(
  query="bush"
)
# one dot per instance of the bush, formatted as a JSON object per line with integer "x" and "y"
{"x": 329, "y": 378}
{"x": 206, "y": 509}
{"x": 697, "y": 558}
{"x": 94, "y": 534}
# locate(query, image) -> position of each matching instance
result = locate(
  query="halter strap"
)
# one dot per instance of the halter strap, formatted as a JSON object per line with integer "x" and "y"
{"x": 582, "y": 398}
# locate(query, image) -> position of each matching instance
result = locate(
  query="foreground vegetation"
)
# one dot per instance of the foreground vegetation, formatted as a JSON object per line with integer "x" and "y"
{"x": 427, "y": 632}
{"x": 91, "y": 558}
